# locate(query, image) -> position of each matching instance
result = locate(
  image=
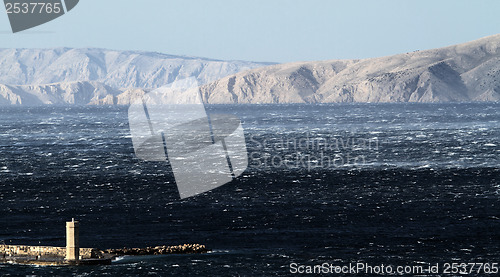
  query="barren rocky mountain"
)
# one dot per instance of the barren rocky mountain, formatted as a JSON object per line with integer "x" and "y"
{"x": 83, "y": 76}
{"x": 465, "y": 72}
{"x": 460, "y": 73}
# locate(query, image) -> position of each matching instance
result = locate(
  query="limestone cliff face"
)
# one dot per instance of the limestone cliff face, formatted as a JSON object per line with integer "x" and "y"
{"x": 77, "y": 93}
{"x": 465, "y": 72}
{"x": 124, "y": 98}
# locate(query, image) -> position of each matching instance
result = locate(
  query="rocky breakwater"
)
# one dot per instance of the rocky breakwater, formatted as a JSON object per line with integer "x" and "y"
{"x": 159, "y": 250}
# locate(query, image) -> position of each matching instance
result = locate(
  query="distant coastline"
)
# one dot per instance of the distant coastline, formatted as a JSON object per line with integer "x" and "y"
{"x": 461, "y": 73}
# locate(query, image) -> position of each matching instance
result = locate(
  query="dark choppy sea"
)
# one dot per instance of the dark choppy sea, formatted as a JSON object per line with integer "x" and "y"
{"x": 392, "y": 184}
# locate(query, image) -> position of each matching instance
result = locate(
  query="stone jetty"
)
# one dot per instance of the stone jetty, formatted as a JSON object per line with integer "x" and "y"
{"x": 159, "y": 250}
{"x": 72, "y": 254}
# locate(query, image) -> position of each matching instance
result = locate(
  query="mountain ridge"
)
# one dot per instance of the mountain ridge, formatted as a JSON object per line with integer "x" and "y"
{"x": 459, "y": 73}
{"x": 119, "y": 69}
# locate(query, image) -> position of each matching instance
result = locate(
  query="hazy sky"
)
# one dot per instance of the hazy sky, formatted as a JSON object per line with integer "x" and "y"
{"x": 267, "y": 30}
